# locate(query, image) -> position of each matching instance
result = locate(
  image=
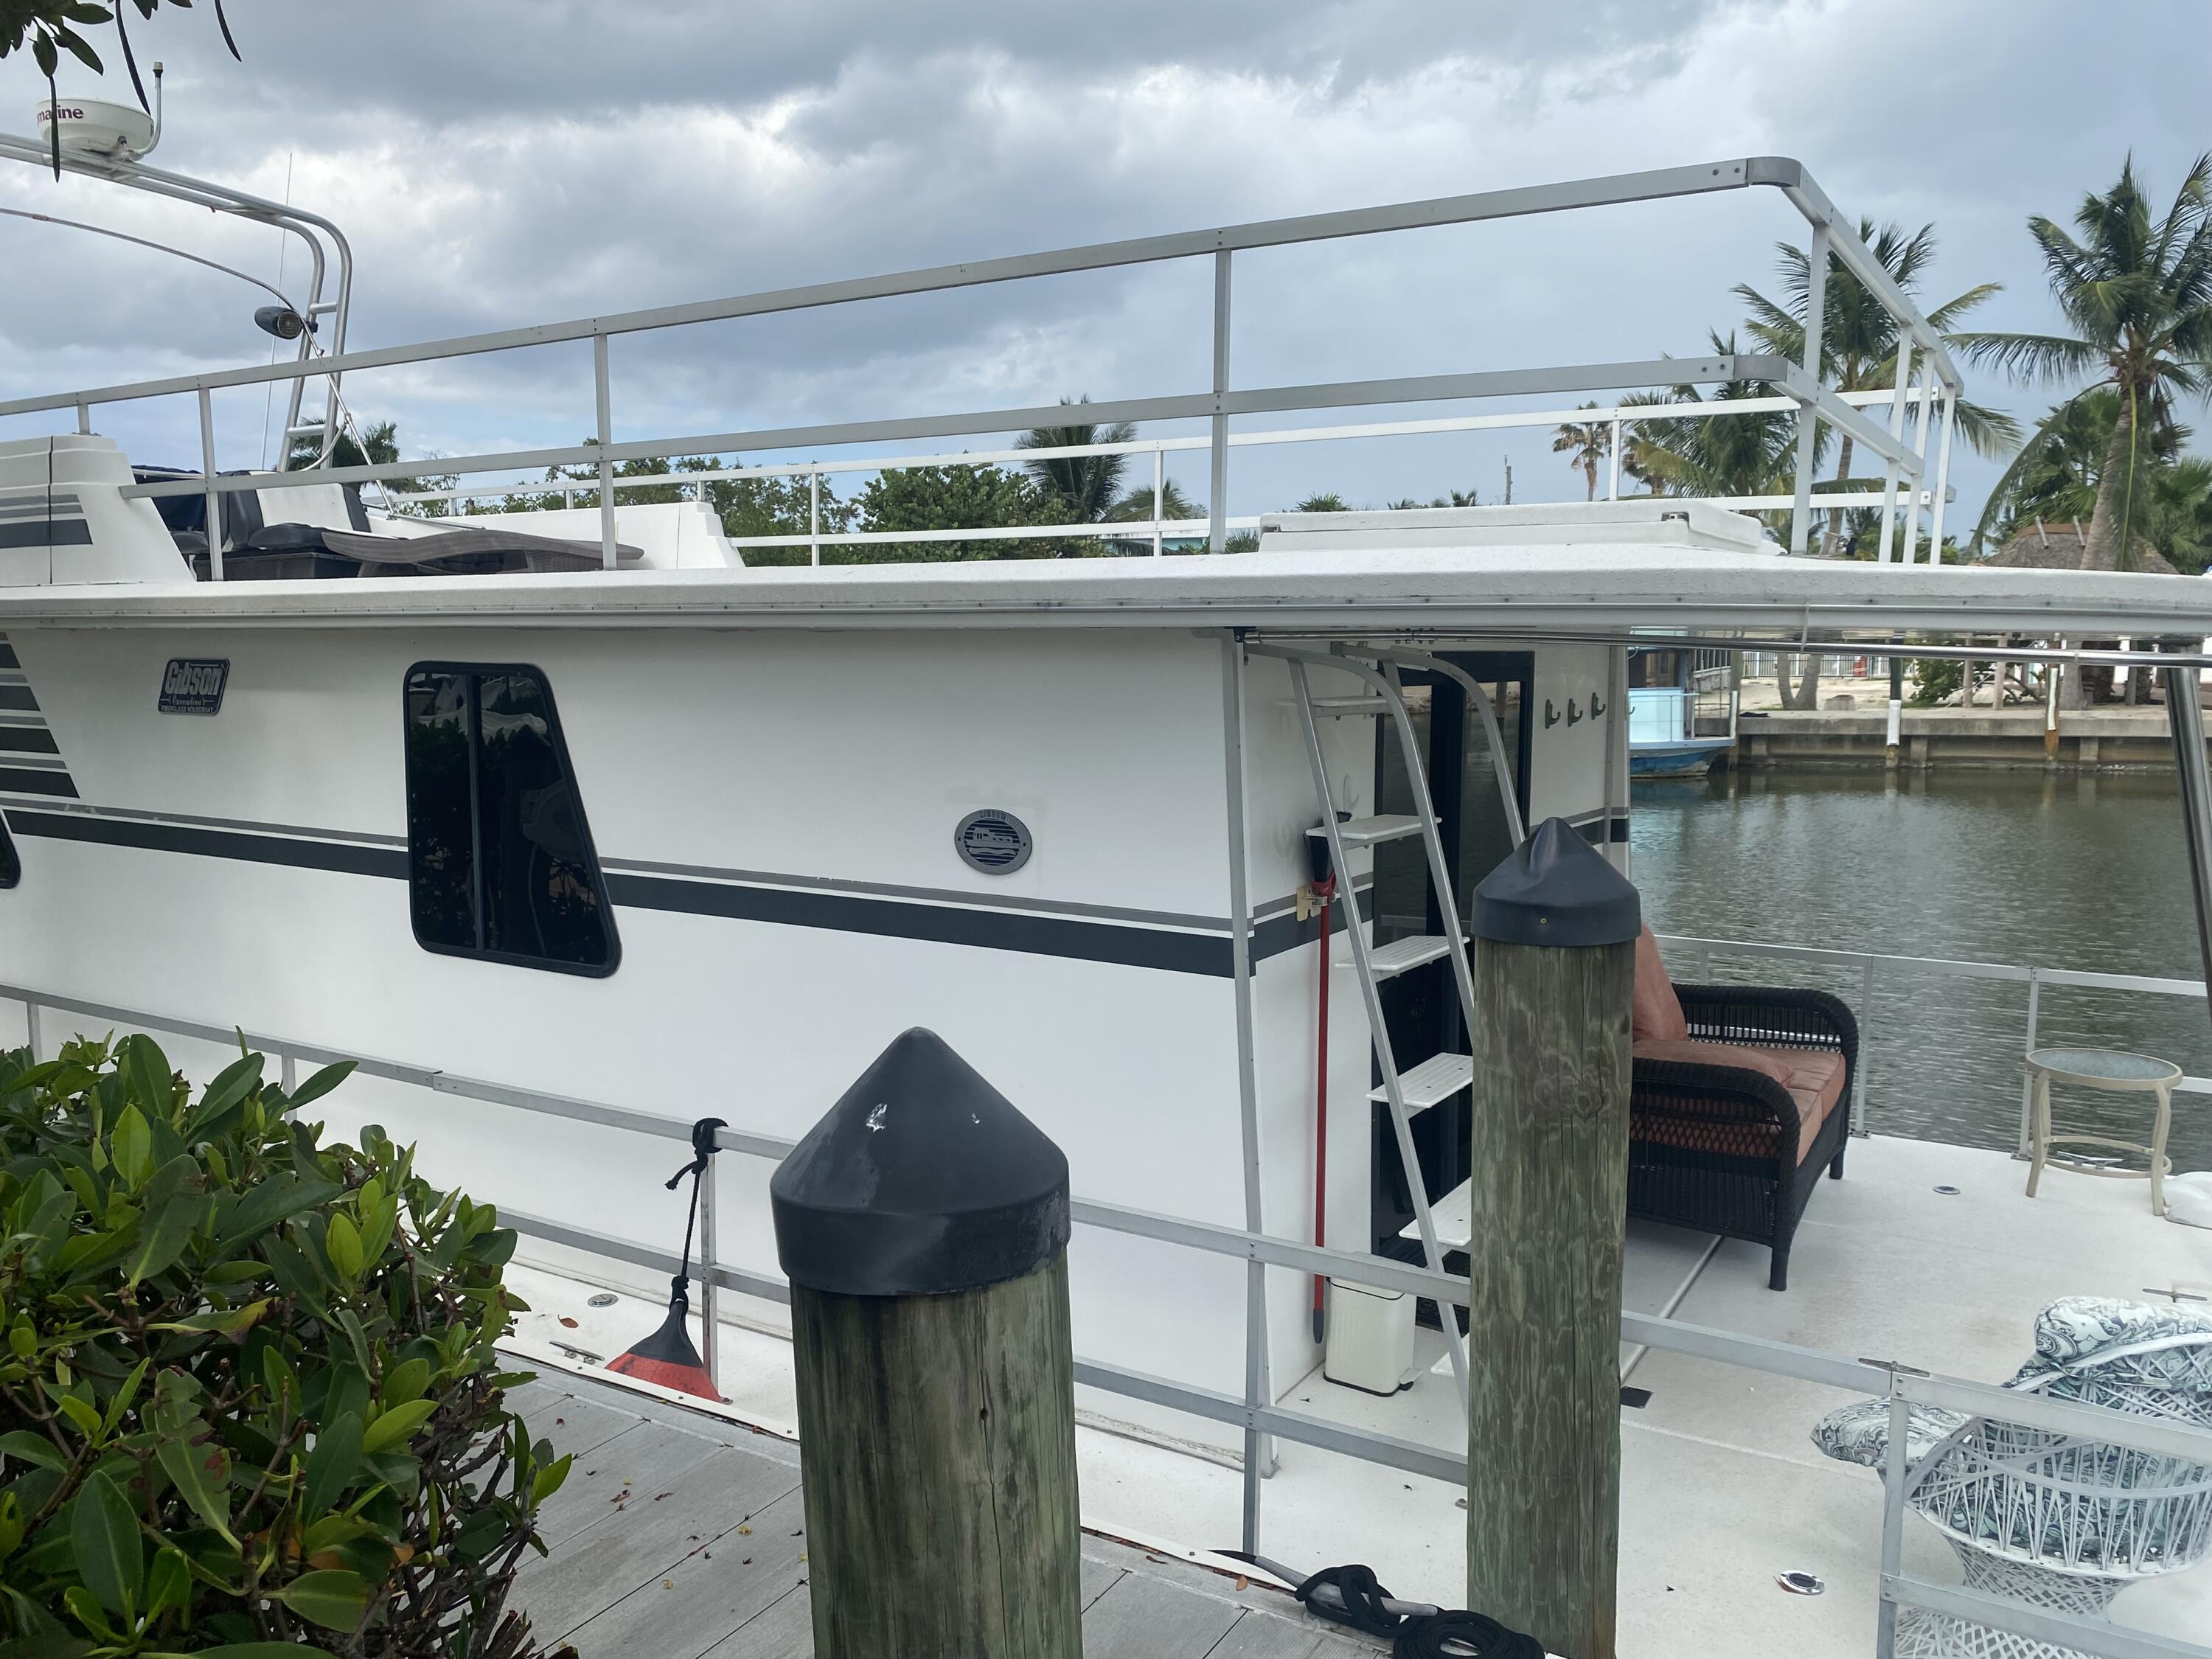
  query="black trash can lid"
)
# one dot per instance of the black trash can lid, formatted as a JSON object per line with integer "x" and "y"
{"x": 1557, "y": 889}
{"x": 922, "y": 1179}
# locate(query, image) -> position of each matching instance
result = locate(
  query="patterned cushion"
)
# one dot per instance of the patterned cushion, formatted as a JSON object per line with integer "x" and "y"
{"x": 1814, "y": 1077}
{"x": 1859, "y": 1432}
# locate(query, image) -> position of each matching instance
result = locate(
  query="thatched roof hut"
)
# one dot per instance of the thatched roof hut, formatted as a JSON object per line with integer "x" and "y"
{"x": 2058, "y": 547}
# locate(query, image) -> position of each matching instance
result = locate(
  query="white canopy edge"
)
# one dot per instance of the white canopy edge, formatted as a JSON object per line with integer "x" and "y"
{"x": 1489, "y": 591}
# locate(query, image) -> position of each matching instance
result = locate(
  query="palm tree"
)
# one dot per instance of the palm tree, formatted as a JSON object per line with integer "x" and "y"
{"x": 1136, "y": 507}
{"x": 1088, "y": 485}
{"x": 2137, "y": 293}
{"x": 1858, "y": 337}
{"x": 1586, "y": 448}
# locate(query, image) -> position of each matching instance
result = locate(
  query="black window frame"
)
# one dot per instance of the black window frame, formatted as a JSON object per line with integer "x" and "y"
{"x": 11, "y": 861}
{"x": 557, "y": 738}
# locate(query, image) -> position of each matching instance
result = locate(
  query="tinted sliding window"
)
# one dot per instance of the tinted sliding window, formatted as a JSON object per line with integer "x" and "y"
{"x": 499, "y": 858}
{"x": 11, "y": 867}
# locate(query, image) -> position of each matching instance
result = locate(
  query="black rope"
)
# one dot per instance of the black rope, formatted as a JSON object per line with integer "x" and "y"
{"x": 1434, "y": 1633}
{"x": 704, "y": 1146}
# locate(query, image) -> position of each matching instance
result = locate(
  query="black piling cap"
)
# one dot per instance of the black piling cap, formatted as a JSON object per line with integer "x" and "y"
{"x": 921, "y": 1181}
{"x": 1557, "y": 889}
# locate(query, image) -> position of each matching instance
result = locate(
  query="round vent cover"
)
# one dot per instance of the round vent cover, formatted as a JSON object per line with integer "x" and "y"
{"x": 997, "y": 843}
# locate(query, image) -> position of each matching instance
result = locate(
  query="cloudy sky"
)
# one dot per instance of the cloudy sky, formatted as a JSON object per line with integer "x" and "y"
{"x": 499, "y": 162}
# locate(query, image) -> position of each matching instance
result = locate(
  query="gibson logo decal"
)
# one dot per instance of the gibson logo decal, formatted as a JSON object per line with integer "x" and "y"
{"x": 194, "y": 686}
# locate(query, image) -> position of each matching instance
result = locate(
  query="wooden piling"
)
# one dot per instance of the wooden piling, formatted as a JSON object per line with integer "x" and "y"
{"x": 1553, "y": 953}
{"x": 923, "y": 1224}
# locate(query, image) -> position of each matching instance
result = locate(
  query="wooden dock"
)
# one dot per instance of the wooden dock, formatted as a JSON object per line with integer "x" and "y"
{"x": 679, "y": 1535}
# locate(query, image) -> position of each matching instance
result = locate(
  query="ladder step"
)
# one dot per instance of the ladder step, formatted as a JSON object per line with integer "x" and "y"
{"x": 1350, "y": 706}
{"x": 1436, "y": 1079}
{"x": 1450, "y": 1216}
{"x": 1372, "y": 832}
{"x": 1403, "y": 955}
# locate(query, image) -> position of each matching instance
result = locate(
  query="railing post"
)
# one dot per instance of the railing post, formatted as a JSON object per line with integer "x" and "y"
{"x": 83, "y": 416}
{"x": 1943, "y": 489}
{"x": 2027, "y": 1083}
{"x": 709, "y": 1292}
{"x": 1866, "y": 1051}
{"x": 288, "y": 1070}
{"x": 1896, "y": 1469}
{"x": 207, "y": 476}
{"x": 814, "y": 517}
{"x": 1159, "y": 495}
{"x": 1217, "y": 535}
{"x": 603, "y": 393}
{"x": 1904, "y": 352}
{"x": 1258, "y": 1387}
{"x": 32, "y": 1035}
{"x": 1612, "y": 485}
{"x": 923, "y": 1224}
{"x": 1928, "y": 384}
{"x": 1808, "y": 418}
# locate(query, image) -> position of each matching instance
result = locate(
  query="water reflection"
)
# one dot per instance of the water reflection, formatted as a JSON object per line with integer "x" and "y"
{"x": 2054, "y": 871}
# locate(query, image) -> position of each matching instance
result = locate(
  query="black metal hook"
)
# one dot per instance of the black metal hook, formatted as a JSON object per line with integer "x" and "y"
{"x": 1596, "y": 707}
{"x": 1551, "y": 715}
{"x": 1573, "y": 719}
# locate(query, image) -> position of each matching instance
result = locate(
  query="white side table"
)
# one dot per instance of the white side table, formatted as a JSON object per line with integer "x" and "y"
{"x": 2120, "y": 1072}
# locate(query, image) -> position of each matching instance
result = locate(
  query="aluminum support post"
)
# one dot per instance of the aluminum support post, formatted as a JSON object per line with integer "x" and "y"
{"x": 2185, "y": 717}
{"x": 1889, "y": 469}
{"x": 1808, "y": 418}
{"x": 207, "y": 477}
{"x": 709, "y": 1292}
{"x": 1159, "y": 495}
{"x": 814, "y": 517}
{"x": 1612, "y": 485}
{"x": 604, "y": 396}
{"x": 1216, "y": 532}
{"x": 1943, "y": 488}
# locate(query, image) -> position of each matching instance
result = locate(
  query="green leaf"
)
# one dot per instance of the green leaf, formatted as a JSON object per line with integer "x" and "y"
{"x": 152, "y": 1078}
{"x": 395, "y": 1428}
{"x": 82, "y": 1414}
{"x": 131, "y": 1148}
{"x": 32, "y": 1449}
{"x": 332, "y": 1598}
{"x": 277, "y": 1199}
{"x": 202, "y": 1473}
{"x": 405, "y": 1380}
{"x": 85, "y": 1606}
{"x": 232, "y": 1085}
{"x": 549, "y": 1479}
{"x": 177, "y": 1207}
{"x": 333, "y": 1464}
{"x": 170, "y": 1583}
{"x": 342, "y": 1243}
{"x": 124, "y": 1397}
{"x": 230, "y": 1322}
{"x": 105, "y": 1543}
{"x": 320, "y": 1085}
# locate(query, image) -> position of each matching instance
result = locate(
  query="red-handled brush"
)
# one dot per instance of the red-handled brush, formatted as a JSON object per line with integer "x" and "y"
{"x": 667, "y": 1356}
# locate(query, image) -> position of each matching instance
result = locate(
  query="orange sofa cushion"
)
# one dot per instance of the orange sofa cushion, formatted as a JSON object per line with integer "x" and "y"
{"x": 1814, "y": 1077}
{"x": 1656, "y": 1011}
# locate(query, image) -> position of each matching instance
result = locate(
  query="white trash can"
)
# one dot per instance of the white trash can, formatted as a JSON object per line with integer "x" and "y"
{"x": 1370, "y": 1338}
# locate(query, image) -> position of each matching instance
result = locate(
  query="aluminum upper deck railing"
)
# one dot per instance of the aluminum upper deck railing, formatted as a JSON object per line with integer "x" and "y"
{"x": 1903, "y": 1385}
{"x": 1902, "y": 444}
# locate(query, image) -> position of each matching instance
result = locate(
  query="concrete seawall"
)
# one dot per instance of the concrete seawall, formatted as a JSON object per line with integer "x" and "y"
{"x": 1830, "y": 740}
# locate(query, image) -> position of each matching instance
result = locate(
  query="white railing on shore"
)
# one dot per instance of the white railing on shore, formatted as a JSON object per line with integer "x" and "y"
{"x": 1904, "y": 1385}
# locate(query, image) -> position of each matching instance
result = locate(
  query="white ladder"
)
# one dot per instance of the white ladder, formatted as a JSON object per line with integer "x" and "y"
{"x": 1436, "y": 1079}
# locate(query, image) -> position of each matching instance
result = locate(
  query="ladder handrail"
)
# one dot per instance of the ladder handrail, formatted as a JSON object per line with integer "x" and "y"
{"x": 1371, "y": 995}
{"x": 1517, "y": 826}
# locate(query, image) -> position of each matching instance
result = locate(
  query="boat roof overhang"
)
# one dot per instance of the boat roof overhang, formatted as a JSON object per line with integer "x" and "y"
{"x": 1613, "y": 592}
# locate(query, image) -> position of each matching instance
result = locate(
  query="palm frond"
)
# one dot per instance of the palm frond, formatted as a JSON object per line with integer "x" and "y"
{"x": 2031, "y": 357}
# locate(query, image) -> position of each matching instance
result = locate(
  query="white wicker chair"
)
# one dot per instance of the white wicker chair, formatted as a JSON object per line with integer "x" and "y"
{"x": 2043, "y": 1518}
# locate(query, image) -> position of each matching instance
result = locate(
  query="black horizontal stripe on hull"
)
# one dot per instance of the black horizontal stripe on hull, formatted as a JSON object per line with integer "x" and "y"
{"x": 29, "y": 741}
{"x": 1208, "y": 954}
{"x": 15, "y": 780}
{"x": 8, "y": 656}
{"x": 1204, "y": 954}
{"x": 350, "y": 859}
{"x": 18, "y": 697}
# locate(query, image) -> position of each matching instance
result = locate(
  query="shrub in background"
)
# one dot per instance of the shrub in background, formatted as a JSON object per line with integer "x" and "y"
{"x": 249, "y": 1399}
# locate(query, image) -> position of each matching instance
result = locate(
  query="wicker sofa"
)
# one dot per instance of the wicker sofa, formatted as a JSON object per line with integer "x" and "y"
{"x": 1742, "y": 1096}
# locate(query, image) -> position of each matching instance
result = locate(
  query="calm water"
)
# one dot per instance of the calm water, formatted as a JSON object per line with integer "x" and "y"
{"x": 2057, "y": 872}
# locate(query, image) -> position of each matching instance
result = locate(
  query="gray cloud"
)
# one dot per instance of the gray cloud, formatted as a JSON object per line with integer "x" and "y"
{"x": 499, "y": 162}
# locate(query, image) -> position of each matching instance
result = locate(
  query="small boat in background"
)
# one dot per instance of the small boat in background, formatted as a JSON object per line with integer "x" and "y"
{"x": 1663, "y": 715}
